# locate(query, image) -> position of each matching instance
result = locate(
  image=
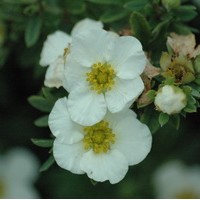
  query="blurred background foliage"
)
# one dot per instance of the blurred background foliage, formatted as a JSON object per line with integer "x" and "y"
{"x": 24, "y": 26}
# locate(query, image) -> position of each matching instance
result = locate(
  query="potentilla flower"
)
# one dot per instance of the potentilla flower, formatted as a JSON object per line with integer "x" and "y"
{"x": 170, "y": 99}
{"x": 56, "y": 49}
{"x": 103, "y": 71}
{"x": 104, "y": 150}
{"x": 174, "y": 180}
{"x": 18, "y": 171}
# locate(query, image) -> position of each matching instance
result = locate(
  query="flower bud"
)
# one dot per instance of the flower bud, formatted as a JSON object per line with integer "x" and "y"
{"x": 170, "y": 99}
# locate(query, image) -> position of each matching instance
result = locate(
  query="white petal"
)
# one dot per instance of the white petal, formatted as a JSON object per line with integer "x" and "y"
{"x": 86, "y": 24}
{"x": 86, "y": 107}
{"x": 75, "y": 75}
{"x": 123, "y": 92}
{"x": 127, "y": 57}
{"x": 54, "y": 47}
{"x": 21, "y": 165}
{"x": 17, "y": 190}
{"x": 92, "y": 46}
{"x": 61, "y": 124}
{"x": 110, "y": 166}
{"x": 133, "y": 138}
{"x": 54, "y": 74}
{"x": 68, "y": 156}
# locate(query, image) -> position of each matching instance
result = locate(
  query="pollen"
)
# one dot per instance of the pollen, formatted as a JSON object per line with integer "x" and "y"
{"x": 101, "y": 77}
{"x": 98, "y": 137}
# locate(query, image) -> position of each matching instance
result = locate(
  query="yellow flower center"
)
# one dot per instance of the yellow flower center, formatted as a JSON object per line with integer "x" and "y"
{"x": 2, "y": 189}
{"x": 98, "y": 137}
{"x": 101, "y": 77}
{"x": 186, "y": 195}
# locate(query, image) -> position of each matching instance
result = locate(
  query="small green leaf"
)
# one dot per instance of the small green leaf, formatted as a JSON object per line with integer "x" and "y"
{"x": 113, "y": 15}
{"x": 136, "y": 5}
{"x": 47, "y": 94}
{"x": 140, "y": 27}
{"x": 76, "y": 7}
{"x": 43, "y": 142}
{"x": 42, "y": 121}
{"x": 163, "y": 119}
{"x": 40, "y": 103}
{"x": 32, "y": 31}
{"x": 185, "y": 13}
{"x": 150, "y": 118}
{"x": 47, "y": 164}
{"x": 111, "y": 2}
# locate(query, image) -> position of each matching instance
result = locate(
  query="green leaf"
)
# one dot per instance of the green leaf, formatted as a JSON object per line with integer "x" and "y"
{"x": 112, "y": 15}
{"x": 42, "y": 121}
{"x": 75, "y": 7}
{"x": 163, "y": 119}
{"x": 20, "y": 1}
{"x": 43, "y": 142}
{"x": 112, "y": 2}
{"x": 40, "y": 103}
{"x": 150, "y": 118}
{"x": 185, "y": 13}
{"x": 136, "y": 5}
{"x": 47, "y": 164}
{"x": 140, "y": 27}
{"x": 48, "y": 95}
{"x": 32, "y": 31}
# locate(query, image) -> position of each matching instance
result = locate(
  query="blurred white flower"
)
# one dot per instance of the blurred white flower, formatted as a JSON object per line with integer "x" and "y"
{"x": 103, "y": 151}
{"x": 170, "y": 99}
{"x": 103, "y": 71}
{"x": 18, "y": 171}
{"x": 175, "y": 180}
{"x": 57, "y": 47}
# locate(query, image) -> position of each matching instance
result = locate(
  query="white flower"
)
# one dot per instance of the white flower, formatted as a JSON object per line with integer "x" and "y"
{"x": 103, "y": 71}
{"x": 170, "y": 99}
{"x": 57, "y": 47}
{"x": 175, "y": 180}
{"x": 103, "y": 151}
{"x": 18, "y": 171}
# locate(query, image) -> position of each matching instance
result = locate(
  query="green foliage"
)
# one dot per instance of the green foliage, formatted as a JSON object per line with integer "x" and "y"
{"x": 150, "y": 118}
{"x": 163, "y": 118}
{"x": 42, "y": 121}
{"x": 140, "y": 28}
{"x": 48, "y": 163}
{"x": 33, "y": 30}
{"x": 46, "y": 143}
{"x": 113, "y": 14}
{"x": 40, "y": 103}
{"x": 136, "y": 5}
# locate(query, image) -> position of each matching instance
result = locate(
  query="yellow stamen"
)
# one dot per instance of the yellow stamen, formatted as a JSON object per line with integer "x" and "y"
{"x": 101, "y": 77}
{"x": 98, "y": 137}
